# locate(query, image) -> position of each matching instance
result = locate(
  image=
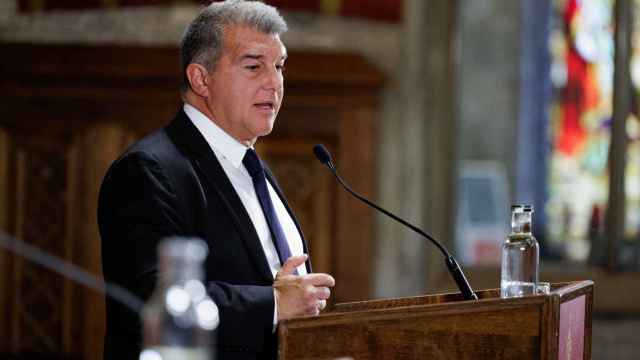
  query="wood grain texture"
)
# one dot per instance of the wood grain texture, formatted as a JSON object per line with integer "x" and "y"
{"x": 41, "y": 189}
{"x": 308, "y": 187}
{"x": 439, "y": 326}
{"x": 4, "y": 226}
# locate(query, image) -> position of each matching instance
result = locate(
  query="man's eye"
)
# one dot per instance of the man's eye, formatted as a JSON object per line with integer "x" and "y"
{"x": 252, "y": 67}
{"x": 280, "y": 68}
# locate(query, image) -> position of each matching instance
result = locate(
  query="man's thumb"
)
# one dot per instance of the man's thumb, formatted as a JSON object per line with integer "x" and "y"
{"x": 292, "y": 263}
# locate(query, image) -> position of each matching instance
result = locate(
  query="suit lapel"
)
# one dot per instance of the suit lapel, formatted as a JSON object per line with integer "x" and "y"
{"x": 206, "y": 163}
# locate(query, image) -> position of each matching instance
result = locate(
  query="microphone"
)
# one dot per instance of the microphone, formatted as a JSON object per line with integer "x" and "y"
{"x": 454, "y": 269}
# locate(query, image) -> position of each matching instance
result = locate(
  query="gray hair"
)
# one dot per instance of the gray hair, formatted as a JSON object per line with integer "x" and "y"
{"x": 202, "y": 40}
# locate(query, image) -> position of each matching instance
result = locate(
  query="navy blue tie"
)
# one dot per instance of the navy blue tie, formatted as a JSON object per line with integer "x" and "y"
{"x": 252, "y": 163}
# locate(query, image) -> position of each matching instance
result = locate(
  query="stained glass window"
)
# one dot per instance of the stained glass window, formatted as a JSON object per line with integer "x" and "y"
{"x": 582, "y": 51}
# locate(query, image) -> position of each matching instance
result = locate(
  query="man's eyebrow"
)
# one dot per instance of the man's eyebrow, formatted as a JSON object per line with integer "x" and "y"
{"x": 260, "y": 57}
{"x": 252, "y": 56}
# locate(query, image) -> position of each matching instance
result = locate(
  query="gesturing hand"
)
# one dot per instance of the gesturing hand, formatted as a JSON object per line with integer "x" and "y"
{"x": 300, "y": 295}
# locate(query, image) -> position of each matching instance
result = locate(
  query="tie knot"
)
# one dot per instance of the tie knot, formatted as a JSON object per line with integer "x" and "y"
{"x": 252, "y": 163}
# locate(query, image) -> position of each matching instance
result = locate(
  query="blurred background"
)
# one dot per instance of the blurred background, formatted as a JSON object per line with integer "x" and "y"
{"x": 443, "y": 111}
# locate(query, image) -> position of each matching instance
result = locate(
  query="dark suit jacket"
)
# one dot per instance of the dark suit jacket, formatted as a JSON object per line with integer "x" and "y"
{"x": 171, "y": 183}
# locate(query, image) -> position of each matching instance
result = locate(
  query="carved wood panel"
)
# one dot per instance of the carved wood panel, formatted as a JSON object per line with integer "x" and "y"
{"x": 308, "y": 188}
{"x": 52, "y": 187}
{"x": 4, "y": 224}
{"x": 40, "y": 298}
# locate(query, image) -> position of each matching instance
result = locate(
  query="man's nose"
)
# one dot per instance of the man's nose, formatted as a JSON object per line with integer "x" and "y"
{"x": 273, "y": 79}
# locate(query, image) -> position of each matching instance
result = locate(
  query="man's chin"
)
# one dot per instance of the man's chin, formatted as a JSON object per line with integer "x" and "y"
{"x": 264, "y": 130}
{"x": 267, "y": 126}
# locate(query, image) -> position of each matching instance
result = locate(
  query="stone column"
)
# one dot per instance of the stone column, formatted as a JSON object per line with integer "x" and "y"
{"x": 616, "y": 211}
{"x": 417, "y": 153}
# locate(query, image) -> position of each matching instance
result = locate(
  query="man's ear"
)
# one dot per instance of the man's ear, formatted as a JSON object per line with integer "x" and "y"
{"x": 198, "y": 78}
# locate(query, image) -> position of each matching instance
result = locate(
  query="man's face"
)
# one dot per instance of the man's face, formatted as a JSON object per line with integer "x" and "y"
{"x": 246, "y": 86}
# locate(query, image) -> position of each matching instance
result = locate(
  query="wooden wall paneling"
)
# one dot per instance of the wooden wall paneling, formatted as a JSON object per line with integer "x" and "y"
{"x": 70, "y": 243}
{"x": 61, "y": 191}
{"x": 83, "y": 305}
{"x": 4, "y": 226}
{"x": 355, "y": 219}
{"x": 83, "y": 85}
{"x": 9, "y": 260}
{"x": 4, "y": 175}
{"x": 102, "y": 144}
{"x": 322, "y": 244}
{"x": 42, "y": 186}
{"x": 76, "y": 333}
{"x": 307, "y": 186}
{"x": 140, "y": 118}
{"x": 17, "y": 263}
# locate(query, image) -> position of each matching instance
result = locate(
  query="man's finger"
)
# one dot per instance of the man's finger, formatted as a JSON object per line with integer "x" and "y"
{"x": 291, "y": 264}
{"x": 322, "y": 293}
{"x": 320, "y": 279}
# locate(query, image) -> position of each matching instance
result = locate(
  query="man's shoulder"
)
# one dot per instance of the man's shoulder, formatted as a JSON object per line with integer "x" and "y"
{"x": 155, "y": 152}
{"x": 156, "y": 143}
{"x": 157, "y": 146}
{"x": 172, "y": 143}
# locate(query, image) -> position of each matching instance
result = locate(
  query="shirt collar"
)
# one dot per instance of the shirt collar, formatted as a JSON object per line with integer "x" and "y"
{"x": 219, "y": 141}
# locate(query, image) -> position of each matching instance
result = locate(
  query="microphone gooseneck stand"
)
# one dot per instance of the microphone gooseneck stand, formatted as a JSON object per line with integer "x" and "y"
{"x": 322, "y": 154}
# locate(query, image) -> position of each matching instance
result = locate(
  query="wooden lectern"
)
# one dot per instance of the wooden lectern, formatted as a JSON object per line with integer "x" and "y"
{"x": 553, "y": 326}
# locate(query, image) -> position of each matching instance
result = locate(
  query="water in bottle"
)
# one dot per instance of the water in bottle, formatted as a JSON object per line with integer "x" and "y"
{"x": 520, "y": 256}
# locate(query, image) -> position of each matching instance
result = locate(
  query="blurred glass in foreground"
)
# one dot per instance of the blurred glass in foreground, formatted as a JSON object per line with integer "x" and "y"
{"x": 180, "y": 320}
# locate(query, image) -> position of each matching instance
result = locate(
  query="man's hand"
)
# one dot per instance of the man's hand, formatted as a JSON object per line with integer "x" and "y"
{"x": 300, "y": 295}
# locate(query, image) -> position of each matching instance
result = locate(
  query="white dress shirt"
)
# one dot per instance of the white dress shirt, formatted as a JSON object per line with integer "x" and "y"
{"x": 230, "y": 153}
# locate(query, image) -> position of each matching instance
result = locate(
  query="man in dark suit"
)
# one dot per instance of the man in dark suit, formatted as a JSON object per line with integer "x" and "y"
{"x": 199, "y": 177}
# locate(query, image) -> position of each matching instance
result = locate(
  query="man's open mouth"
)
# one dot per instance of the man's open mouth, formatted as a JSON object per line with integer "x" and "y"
{"x": 265, "y": 105}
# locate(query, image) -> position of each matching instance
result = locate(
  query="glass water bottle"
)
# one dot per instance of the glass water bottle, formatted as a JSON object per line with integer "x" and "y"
{"x": 180, "y": 319}
{"x": 520, "y": 256}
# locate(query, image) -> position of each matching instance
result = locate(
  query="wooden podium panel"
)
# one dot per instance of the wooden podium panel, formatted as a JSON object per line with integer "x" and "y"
{"x": 553, "y": 326}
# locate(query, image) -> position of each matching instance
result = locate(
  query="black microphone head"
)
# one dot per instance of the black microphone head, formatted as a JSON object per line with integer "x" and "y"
{"x": 322, "y": 154}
